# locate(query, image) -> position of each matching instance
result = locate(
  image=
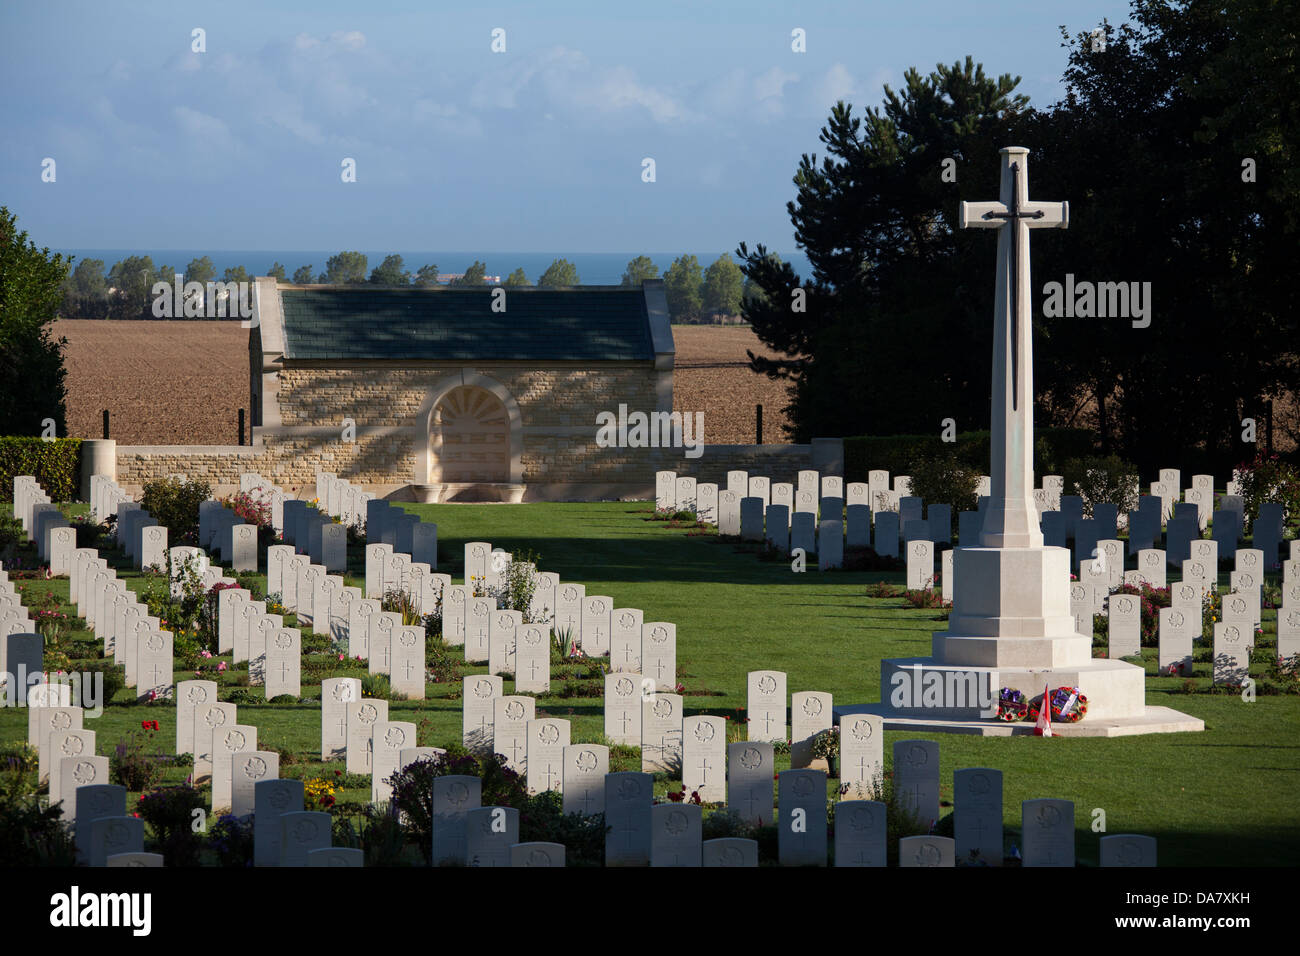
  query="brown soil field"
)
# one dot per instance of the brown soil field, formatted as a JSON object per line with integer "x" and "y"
{"x": 713, "y": 377}
{"x": 163, "y": 383}
{"x": 170, "y": 383}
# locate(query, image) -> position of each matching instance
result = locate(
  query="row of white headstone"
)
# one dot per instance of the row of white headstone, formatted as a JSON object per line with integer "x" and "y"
{"x": 675, "y": 492}
{"x": 134, "y": 529}
{"x": 815, "y": 494}
{"x": 43, "y": 523}
{"x": 339, "y": 498}
{"x": 283, "y": 833}
{"x": 225, "y": 754}
{"x": 130, "y": 635}
{"x": 641, "y": 832}
{"x": 1182, "y": 623}
{"x": 14, "y": 620}
{"x": 403, "y": 532}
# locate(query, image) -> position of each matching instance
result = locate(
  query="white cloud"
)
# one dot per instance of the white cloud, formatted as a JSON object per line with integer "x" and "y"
{"x": 202, "y": 128}
{"x": 771, "y": 85}
{"x": 566, "y": 82}
{"x": 619, "y": 89}
{"x": 836, "y": 84}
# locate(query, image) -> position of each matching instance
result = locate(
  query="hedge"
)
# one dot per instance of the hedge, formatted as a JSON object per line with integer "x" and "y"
{"x": 55, "y": 463}
{"x": 896, "y": 453}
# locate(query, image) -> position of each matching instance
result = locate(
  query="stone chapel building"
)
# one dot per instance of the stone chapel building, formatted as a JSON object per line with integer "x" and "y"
{"x": 461, "y": 394}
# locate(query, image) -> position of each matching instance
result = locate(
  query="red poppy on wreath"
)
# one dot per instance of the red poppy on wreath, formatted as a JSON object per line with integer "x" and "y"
{"x": 1067, "y": 704}
{"x": 1011, "y": 705}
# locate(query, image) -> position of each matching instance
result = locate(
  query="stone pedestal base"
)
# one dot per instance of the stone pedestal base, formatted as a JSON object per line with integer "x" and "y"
{"x": 1154, "y": 720}
{"x": 921, "y": 687}
{"x": 1011, "y": 627}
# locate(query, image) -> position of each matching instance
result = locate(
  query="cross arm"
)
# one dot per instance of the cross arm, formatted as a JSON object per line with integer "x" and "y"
{"x": 972, "y": 215}
{"x": 1055, "y": 215}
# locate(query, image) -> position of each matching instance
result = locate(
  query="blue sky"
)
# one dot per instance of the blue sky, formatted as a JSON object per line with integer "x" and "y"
{"x": 538, "y": 148}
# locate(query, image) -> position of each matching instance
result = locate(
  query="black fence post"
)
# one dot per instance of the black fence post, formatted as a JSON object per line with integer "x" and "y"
{"x": 106, "y": 423}
{"x": 758, "y": 424}
{"x": 241, "y": 426}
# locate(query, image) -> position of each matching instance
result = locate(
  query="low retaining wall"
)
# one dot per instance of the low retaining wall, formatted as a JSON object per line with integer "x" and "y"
{"x": 613, "y": 473}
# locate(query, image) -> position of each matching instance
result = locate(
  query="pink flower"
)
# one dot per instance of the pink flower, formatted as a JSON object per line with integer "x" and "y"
{"x": 221, "y": 667}
{"x": 340, "y": 655}
{"x": 205, "y": 654}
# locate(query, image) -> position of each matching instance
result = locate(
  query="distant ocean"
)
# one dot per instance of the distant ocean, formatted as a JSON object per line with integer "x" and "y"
{"x": 594, "y": 268}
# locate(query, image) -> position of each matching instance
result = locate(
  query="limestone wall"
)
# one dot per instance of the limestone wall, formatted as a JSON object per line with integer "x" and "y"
{"x": 560, "y": 467}
{"x": 378, "y": 395}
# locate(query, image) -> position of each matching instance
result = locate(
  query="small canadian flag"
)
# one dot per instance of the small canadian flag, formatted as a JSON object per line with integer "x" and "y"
{"x": 1044, "y": 726}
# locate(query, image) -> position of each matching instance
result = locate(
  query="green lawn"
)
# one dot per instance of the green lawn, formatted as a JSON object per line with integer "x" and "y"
{"x": 1223, "y": 797}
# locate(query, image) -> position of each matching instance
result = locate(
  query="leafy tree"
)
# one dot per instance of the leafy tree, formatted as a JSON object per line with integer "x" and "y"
{"x": 236, "y": 274}
{"x": 638, "y": 270}
{"x": 474, "y": 275}
{"x": 891, "y": 285}
{"x": 390, "y": 272}
{"x": 346, "y": 268}
{"x": 1164, "y": 105}
{"x": 517, "y": 278}
{"x": 132, "y": 280}
{"x": 31, "y": 362}
{"x": 682, "y": 285}
{"x": 302, "y": 275}
{"x": 427, "y": 275}
{"x": 723, "y": 286}
{"x": 85, "y": 293}
{"x": 561, "y": 272}
{"x": 276, "y": 271}
{"x": 200, "y": 270}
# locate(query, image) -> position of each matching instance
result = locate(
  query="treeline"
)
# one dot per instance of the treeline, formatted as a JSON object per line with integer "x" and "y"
{"x": 126, "y": 291}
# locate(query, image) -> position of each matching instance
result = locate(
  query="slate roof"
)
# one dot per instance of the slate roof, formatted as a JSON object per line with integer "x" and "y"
{"x": 592, "y": 323}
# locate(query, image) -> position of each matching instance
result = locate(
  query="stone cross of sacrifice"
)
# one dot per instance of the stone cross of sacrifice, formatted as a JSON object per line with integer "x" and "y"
{"x": 1011, "y": 520}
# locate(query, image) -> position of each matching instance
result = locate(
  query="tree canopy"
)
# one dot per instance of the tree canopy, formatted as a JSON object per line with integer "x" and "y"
{"x": 723, "y": 286}
{"x": 682, "y": 284}
{"x": 31, "y": 361}
{"x": 638, "y": 270}
{"x": 391, "y": 271}
{"x": 346, "y": 267}
{"x": 561, "y": 272}
{"x": 474, "y": 275}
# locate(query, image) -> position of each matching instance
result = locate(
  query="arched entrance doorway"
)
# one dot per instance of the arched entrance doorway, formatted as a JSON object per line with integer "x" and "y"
{"x": 469, "y": 438}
